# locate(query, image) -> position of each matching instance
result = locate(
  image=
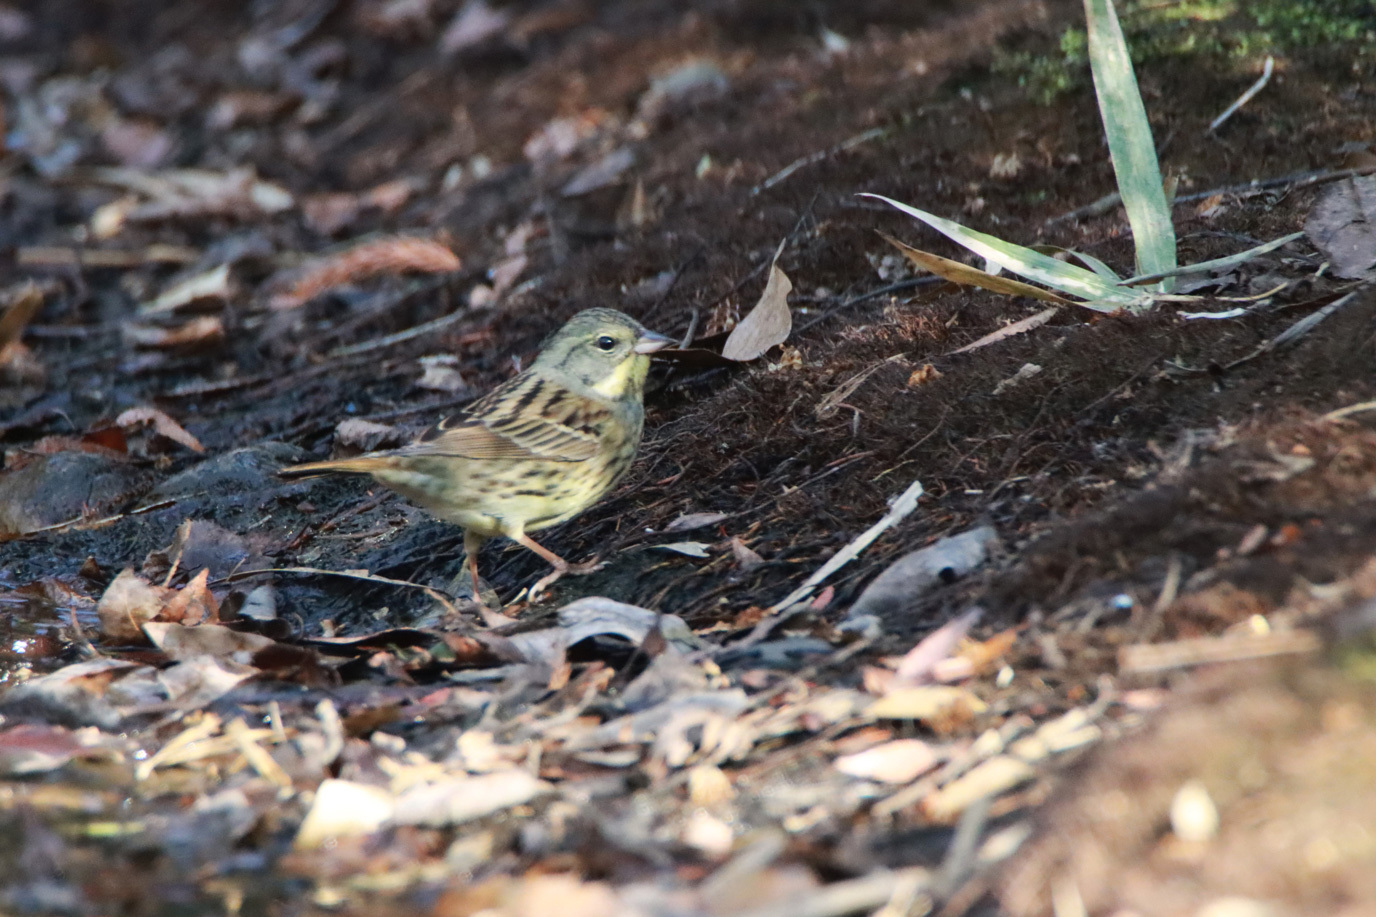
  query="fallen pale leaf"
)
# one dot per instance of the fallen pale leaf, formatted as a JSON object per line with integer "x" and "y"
{"x": 343, "y": 808}
{"x": 767, "y": 325}
{"x": 745, "y": 557}
{"x": 916, "y": 667}
{"x": 686, "y": 548}
{"x": 1342, "y": 225}
{"x": 127, "y": 604}
{"x": 694, "y": 521}
{"x": 23, "y": 305}
{"x": 178, "y": 641}
{"x": 899, "y": 761}
{"x": 926, "y": 703}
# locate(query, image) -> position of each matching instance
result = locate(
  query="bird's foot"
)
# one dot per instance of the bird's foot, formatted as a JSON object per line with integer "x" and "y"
{"x": 561, "y": 570}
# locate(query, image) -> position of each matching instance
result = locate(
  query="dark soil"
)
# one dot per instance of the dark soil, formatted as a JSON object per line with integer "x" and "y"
{"x": 1143, "y": 444}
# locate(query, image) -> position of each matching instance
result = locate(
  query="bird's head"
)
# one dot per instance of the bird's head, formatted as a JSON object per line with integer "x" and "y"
{"x": 602, "y": 350}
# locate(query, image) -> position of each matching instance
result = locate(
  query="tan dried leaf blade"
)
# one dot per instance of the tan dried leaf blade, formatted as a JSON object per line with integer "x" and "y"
{"x": 393, "y": 255}
{"x": 768, "y": 324}
{"x": 966, "y": 275}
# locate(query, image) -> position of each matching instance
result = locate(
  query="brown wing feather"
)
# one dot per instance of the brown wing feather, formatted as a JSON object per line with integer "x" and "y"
{"x": 528, "y": 418}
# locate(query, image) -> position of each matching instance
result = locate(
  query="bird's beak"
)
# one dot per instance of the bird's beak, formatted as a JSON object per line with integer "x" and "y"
{"x": 652, "y": 342}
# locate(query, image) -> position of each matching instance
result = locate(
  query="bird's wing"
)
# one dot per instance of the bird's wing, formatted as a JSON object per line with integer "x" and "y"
{"x": 528, "y": 418}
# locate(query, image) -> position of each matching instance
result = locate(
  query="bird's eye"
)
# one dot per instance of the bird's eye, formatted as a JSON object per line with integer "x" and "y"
{"x": 606, "y": 342}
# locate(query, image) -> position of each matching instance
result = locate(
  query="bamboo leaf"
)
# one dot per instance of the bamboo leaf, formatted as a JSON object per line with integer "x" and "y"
{"x": 1066, "y": 278}
{"x": 1130, "y": 142}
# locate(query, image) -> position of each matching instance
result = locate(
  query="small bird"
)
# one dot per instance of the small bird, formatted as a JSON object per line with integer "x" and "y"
{"x": 537, "y": 450}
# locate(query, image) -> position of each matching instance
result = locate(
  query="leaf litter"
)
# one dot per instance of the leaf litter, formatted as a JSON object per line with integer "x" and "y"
{"x": 204, "y": 712}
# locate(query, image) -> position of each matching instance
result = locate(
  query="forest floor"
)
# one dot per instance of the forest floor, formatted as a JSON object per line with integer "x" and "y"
{"x": 1131, "y": 675}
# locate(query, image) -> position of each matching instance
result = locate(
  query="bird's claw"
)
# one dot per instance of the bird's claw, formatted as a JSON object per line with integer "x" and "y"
{"x": 537, "y": 591}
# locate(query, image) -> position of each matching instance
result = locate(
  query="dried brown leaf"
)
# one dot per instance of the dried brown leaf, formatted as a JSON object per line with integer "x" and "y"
{"x": 392, "y": 255}
{"x": 965, "y": 275}
{"x": 162, "y": 424}
{"x": 127, "y": 604}
{"x": 193, "y": 604}
{"x": 767, "y": 325}
{"x": 23, "y": 305}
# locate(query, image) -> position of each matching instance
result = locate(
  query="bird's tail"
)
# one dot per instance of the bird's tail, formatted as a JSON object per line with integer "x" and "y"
{"x": 363, "y": 464}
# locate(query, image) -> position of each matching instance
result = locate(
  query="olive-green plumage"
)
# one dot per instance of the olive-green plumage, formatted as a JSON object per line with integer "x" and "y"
{"x": 537, "y": 450}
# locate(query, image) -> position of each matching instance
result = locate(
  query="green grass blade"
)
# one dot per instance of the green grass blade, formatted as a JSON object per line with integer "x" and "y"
{"x": 1130, "y": 142}
{"x": 1025, "y": 262}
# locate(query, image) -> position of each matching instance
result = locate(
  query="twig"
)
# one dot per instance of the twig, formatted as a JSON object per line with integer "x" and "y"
{"x": 1246, "y": 97}
{"x": 1293, "y": 181}
{"x": 673, "y": 282}
{"x": 873, "y": 133}
{"x": 347, "y": 574}
{"x": 1286, "y": 337}
{"x": 407, "y": 334}
{"x": 1360, "y": 407}
{"x": 781, "y": 611}
{"x": 1150, "y": 658}
{"x": 909, "y": 284}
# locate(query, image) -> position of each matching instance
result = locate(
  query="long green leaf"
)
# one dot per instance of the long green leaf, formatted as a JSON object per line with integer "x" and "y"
{"x": 1218, "y": 264}
{"x": 1130, "y": 142}
{"x": 1024, "y": 261}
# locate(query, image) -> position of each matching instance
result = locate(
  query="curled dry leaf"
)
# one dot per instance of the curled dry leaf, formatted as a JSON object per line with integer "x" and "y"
{"x": 182, "y": 643}
{"x": 768, "y": 324}
{"x": 993, "y": 777}
{"x": 162, "y": 424}
{"x": 686, "y": 548}
{"x": 211, "y": 284}
{"x": 916, "y": 667}
{"x": 393, "y": 255}
{"x": 205, "y": 331}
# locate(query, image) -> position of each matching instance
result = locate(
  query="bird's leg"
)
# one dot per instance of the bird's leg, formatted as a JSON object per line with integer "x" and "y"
{"x": 561, "y": 566}
{"x": 472, "y": 544}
